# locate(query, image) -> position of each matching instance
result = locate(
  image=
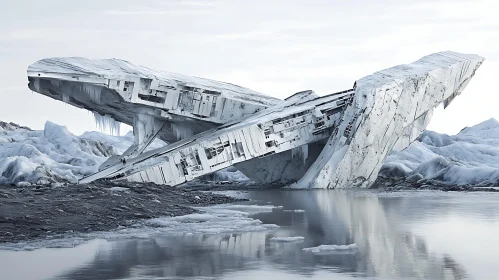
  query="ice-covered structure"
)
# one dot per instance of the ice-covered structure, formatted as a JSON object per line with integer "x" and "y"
{"x": 332, "y": 141}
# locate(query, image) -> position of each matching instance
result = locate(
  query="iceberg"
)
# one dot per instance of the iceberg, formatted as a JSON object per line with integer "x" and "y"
{"x": 469, "y": 158}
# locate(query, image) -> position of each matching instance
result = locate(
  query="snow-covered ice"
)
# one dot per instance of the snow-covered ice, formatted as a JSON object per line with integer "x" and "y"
{"x": 52, "y": 155}
{"x": 470, "y": 157}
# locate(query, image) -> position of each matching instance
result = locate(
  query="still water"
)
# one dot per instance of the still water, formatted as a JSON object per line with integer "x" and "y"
{"x": 402, "y": 235}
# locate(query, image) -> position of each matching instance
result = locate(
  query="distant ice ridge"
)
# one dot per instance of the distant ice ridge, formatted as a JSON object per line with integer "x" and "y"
{"x": 53, "y": 154}
{"x": 469, "y": 158}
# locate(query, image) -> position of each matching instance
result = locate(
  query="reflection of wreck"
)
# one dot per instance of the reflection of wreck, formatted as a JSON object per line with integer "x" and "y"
{"x": 337, "y": 140}
{"x": 386, "y": 250}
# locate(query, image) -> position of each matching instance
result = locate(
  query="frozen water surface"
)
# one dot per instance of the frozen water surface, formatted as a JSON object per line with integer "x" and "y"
{"x": 337, "y": 235}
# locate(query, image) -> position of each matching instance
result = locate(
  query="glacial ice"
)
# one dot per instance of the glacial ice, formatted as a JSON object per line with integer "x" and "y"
{"x": 51, "y": 155}
{"x": 469, "y": 158}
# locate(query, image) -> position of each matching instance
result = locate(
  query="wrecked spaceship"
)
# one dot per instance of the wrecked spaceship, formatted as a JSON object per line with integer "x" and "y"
{"x": 334, "y": 141}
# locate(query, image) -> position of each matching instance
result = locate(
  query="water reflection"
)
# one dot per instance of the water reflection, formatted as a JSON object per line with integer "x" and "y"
{"x": 382, "y": 228}
{"x": 386, "y": 248}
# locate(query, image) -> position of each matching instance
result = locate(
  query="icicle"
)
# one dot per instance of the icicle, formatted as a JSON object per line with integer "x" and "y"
{"x": 65, "y": 97}
{"x": 182, "y": 132}
{"x": 300, "y": 152}
{"x": 107, "y": 123}
{"x": 55, "y": 83}
{"x": 36, "y": 85}
{"x": 93, "y": 92}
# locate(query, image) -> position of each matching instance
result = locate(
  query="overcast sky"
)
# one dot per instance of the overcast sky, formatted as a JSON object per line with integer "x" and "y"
{"x": 275, "y": 47}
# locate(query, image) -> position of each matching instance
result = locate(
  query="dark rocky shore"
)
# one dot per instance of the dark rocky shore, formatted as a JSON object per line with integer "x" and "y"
{"x": 51, "y": 211}
{"x": 37, "y": 212}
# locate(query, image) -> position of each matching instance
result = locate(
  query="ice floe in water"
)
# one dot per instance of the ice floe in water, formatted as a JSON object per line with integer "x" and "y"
{"x": 332, "y": 249}
{"x": 217, "y": 219}
{"x": 287, "y": 239}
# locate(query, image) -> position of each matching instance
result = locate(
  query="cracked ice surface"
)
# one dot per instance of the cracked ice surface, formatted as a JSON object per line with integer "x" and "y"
{"x": 382, "y": 116}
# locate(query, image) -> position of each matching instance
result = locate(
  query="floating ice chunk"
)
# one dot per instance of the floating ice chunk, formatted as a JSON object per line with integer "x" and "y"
{"x": 332, "y": 249}
{"x": 287, "y": 239}
{"x": 216, "y": 219}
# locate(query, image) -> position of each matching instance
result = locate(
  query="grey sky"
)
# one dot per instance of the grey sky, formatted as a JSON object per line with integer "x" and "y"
{"x": 275, "y": 47}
